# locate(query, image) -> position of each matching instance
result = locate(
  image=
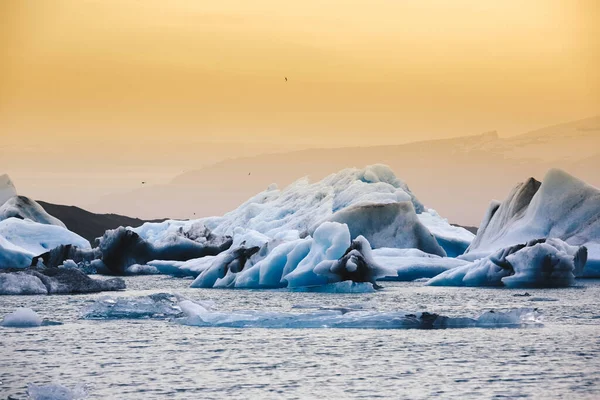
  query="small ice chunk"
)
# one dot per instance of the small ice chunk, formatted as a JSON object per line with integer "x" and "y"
{"x": 56, "y": 392}
{"x": 22, "y": 318}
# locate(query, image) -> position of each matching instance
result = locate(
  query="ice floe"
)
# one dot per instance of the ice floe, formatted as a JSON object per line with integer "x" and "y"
{"x": 188, "y": 312}
{"x": 56, "y": 391}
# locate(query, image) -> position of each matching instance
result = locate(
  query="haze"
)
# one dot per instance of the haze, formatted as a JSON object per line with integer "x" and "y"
{"x": 97, "y": 96}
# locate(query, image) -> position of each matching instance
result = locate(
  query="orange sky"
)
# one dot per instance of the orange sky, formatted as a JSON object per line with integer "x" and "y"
{"x": 131, "y": 77}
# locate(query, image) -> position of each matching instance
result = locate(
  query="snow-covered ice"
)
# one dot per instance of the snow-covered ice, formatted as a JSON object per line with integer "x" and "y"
{"x": 299, "y": 209}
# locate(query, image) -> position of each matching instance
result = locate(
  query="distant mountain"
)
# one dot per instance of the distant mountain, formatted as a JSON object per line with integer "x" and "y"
{"x": 458, "y": 177}
{"x": 87, "y": 224}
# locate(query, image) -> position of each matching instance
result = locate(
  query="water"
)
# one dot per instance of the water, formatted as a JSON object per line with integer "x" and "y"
{"x": 158, "y": 359}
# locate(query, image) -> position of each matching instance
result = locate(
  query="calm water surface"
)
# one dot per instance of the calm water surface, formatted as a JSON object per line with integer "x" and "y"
{"x": 158, "y": 359}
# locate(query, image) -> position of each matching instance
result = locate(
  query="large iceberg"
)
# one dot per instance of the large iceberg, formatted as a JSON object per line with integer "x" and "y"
{"x": 560, "y": 207}
{"x": 188, "y": 312}
{"x": 538, "y": 263}
{"x": 390, "y": 214}
{"x": 277, "y": 238}
{"x": 22, "y": 240}
{"x": 302, "y": 206}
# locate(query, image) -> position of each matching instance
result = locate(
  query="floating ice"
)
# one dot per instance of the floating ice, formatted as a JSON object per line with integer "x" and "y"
{"x": 53, "y": 281}
{"x": 56, "y": 392}
{"x": 560, "y": 207}
{"x": 328, "y": 257}
{"x": 339, "y": 287}
{"x": 160, "y": 305}
{"x": 539, "y": 263}
{"x": 22, "y": 318}
{"x": 187, "y": 312}
{"x": 121, "y": 247}
{"x": 196, "y": 315}
{"x": 372, "y": 201}
{"x": 22, "y": 240}
{"x": 21, "y": 283}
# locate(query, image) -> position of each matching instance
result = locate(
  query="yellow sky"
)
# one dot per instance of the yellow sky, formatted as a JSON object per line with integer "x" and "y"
{"x": 135, "y": 75}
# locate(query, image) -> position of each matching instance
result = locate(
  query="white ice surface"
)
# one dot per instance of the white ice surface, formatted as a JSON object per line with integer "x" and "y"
{"x": 563, "y": 207}
{"x": 21, "y": 240}
{"x": 25, "y": 208}
{"x": 301, "y": 207}
{"x": 22, "y": 318}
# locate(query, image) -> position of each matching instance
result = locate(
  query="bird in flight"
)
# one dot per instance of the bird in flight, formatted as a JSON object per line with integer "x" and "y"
{"x": 143, "y": 182}
{"x": 286, "y": 78}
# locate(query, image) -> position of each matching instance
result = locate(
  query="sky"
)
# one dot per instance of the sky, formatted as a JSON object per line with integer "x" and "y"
{"x": 96, "y": 95}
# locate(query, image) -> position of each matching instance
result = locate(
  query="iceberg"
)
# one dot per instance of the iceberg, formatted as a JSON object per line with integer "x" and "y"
{"x": 372, "y": 201}
{"x": 160, "y": 305}
{"x": 203, "y": 314}
{"x": 302, "y": 206}
{"x": 538, "y": 263}
{"x": 22, "y": 207}
{"x": 53, "y": 281}
{"x": 389, "y": 225}
{"x": 328, "y": 257}
{"x": 22, "y": 318}
{"x": 453, "y": 239}
{"x": 561, "y": 207}
{"x": 121, "y": 247}
{"x": 22, "y": 240}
